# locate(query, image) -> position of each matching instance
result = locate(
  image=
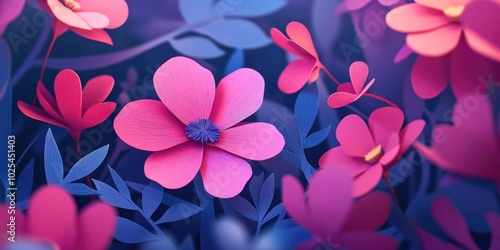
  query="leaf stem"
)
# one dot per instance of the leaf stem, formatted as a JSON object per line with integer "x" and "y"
{"x": 330, "y": 75}
{"x": 386, "y": 178}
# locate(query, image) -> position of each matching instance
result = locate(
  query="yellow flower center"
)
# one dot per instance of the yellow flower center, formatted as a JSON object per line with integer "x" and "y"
{"x": 71, "y": 4}
{"x": 454, "y": 12}
{"x": 374, "y": 155}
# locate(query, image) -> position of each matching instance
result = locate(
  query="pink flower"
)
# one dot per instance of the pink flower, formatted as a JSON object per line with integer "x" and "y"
{"x": 368, "y": 152}
{"x": 470, "y": 146}
{"x": 306, "y": 69}
{"x": 196, "y": 127}
{"x": 53, "y": 219}
{"x": 87, "y": 18}
{"x": 454, "y": 225}
{"x": 353, "y": 5}
{"x": 9, "y": 10}
{"x": 350, "y": 92}
{"x": 329, "y": 212}
{"x": 72, "y": 108}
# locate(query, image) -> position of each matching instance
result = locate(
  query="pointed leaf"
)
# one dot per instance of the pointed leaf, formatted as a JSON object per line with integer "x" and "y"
{"x": 52, "y": 160}
{"x": 130, "y": 232}
{"x": 196, "y": 10}
{"x": 197, "y": 47}
{"x": 236, "y": 61}
{"x": 277, "y": 210}
{"x": 152, "y": 196}
{"x": 87, "y": 164}
{"x": 179, "y": 212}
{"x": 254, "y": 186}
{"x": 79, "y": 189}
{"x": 291, "y": 157}
{"x": 244, "y": 207}
{"x": 306, "y": 108}
{"x": 235, "y": 33}
{"x": 113, "y": 197}
{"x": 253, "y": 8}
{"x": 266, "y": 196}
{"x": 119, "y": 183}
{"x": 316, "y": 138}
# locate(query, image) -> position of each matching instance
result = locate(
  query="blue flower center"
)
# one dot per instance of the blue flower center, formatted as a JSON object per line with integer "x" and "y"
{"x": 203, "y": 130}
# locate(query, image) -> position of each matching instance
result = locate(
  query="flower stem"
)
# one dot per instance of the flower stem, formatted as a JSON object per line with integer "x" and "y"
{"x": 380, "y": 98}
{"x": 44, "y": 64}
{"x": 76, "y": 139}
{"x": 386, "y": 178}
{"x": 330, "y": 75}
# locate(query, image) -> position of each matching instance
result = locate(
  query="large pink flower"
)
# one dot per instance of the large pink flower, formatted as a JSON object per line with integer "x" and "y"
{"x": 196, "y": 127}
{"x": 87, "y": 18}
{"x": 53, "y": 219}
{"x": 350, "y": 92}
{"x": 73, "y": 108}
{"x": 471, "y": 146}
{"x": 306, "y": 69}
{"x": 454, "y": 225}
{"x": 9, "y": 10}
{"x": 329, "y": 212}
{"x": 368, "y": 152}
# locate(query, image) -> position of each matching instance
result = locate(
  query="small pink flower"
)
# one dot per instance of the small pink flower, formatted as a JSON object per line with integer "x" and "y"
{"x": 330, "y": 213}
{"x": 454, "y": 225}
{"x": 9, "y": 10}
{"x": 87, "y": 18}
{"x": 196, "y": 127}
{"x": 353, "y": 5}
{"x": 350, "y": 92}
{"x": 306, "y": 69}
{"x": 52, "y": 219}
{"x": 368, "y": 152}
{"x": 72, "y": 108}
{"x": 471, "y": 146}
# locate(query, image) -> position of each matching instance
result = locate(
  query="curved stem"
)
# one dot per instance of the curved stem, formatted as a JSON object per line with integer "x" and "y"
{"x": 386, "y": 178}
{"x": 380, "y": 98}
{"x": 44, "y": 64}
{"x": 76, "y": 139}
{"x": 330, "y": 75}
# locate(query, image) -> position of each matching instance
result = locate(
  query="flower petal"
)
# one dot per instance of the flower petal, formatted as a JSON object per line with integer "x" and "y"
{"x": 358, "y": 71}
{"x": 410, "y": 133}
{"x": 94, "y": 19}
{"x": 354, "y": 136}
{"x": 91, "y": 236}
{"x": 255, "y": 141}
{"x": 48, "y": 102}
{"x": 494, "y": 223}
{"x": 452, "y": 222}
{"x": 186, "y": 88}
{"x": 391, "y": 152}
{"x": 38, "y": 114}
{"x": 341, "y": 99}
{"x": 441, "y": 4}
{"x": 175, "y": 167}
{"x": 292, "y": 195}
{"x": 367, "y": 180}
{"x": 300, "y": 35}
{"x": 282, "y": 41}
{"x": 97, "y": 114}
{"x": 336, "y": 157}
{"x": 430, "y": 76}
{"x": 96, "y": 90}
{"x": 237, "y": 97}
{"x": 368, "y": 213}
{"x": 434, "y": 43}
{"x": 95, "y": 35}
{"x": 149, "y": 125}
{"x": 224, "y": 175}
{"x": 68, "y": 89}
{"x": 296, "y": 75}
{"x": 67, "y": 16}
{"x": 430, "y": 241}
{"x": 52, "y": 215}
{"x": 370, "y": 240}
{"x": 384, "y": 122}
{"x": 415, "y": 18}
{"x": 116, "y": 10}
{"x": 356, "y": 4}
{"x": 388, "y": 2}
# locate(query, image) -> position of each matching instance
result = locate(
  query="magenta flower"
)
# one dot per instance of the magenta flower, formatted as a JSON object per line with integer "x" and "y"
{"x": 350, "y": 92}
{"x": 330, "y": 213}
{"x": 353, "y": 5}
{"x": 72, "y": 108}
{"x": 306, "y": 69}
{"x": 52, "y": 219}
{"x": 9, "y": 10}
{"x": 478, "y": 157}
{"x": 196, "y": 127}
{"x": 454, "y": 225}
{"x": 368, "y": 152}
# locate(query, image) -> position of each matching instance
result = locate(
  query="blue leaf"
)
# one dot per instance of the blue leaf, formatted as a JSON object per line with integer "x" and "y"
{"x": 236, "y": 61}
{"x": 290, "y": 140}
{"x": 255, "y": 186}
{"x": 187, "y": 244}
{"x": 291, "y": 157}
{"x": 26, "y": 182}
{"x": 151, "y": 198}
{"x": 119, "y": 183}
{"x": 197, "y": 47}
{"x": 52, "y": 159}
{"x": 130, "y": 232}
{"x": 164, "y": 243}
{"x": 235, "y": 33}
{"x": 244, "y": 207}
{"x": 327, "y": 115}
{"x": 196, "y": 10}
{"x": 306, "y": 108}
{"x": 277, "y": 210}
{"x": 179, "y": 211}
{"x": 273, "y": 112}
{"x": 79, "y": 189}
{"x": 316, "y": 138}
{"x": 404, "y": 226}
{"x": 113, "y": 197}
{"x": 253, "y": 8}
{"x": 87, "y": 165}
{"x": 266, "y": 196}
